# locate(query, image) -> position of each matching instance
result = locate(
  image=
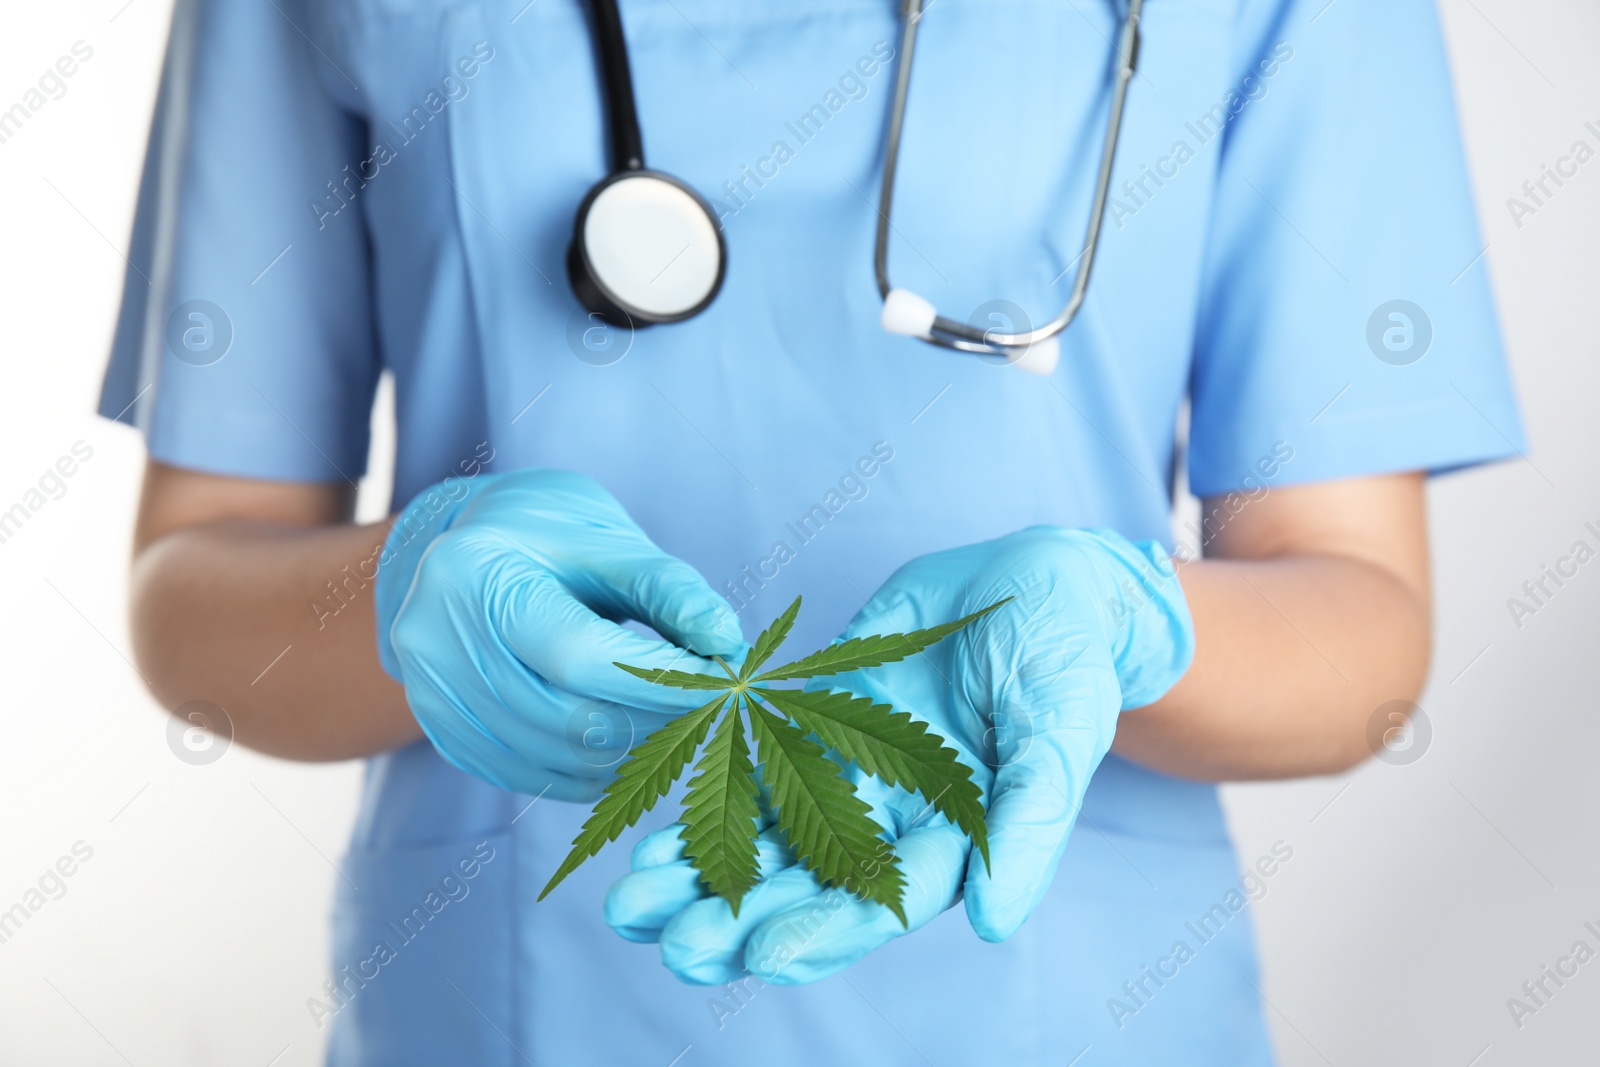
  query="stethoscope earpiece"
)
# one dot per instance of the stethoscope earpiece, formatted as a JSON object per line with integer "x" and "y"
{"x": 912, "y": 315}
{"x": 645, "y": 249}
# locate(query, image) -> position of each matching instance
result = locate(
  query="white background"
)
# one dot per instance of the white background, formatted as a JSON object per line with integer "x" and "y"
{"x": 1419, "y": 898}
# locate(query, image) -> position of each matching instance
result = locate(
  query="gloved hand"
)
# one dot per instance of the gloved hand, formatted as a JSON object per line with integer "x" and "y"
{"x": 498, "y": 601}
{"x": 1030, "y": 697}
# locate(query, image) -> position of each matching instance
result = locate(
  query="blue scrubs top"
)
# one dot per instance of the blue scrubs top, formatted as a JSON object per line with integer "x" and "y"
{"x": 345, "y": 187}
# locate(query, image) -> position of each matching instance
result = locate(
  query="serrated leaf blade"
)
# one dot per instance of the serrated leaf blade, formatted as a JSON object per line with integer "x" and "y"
{"x": 719, "y": 813}
{"x": 893, "y": 746}
{"x": 876, "y": 650}
{"x": 641, "y": 780}
{"x": 829, "y": 827}
{"x": 768, "y": 642}
{"x": 677, "y": 679}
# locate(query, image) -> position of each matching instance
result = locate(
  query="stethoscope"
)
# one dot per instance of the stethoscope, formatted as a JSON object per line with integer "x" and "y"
{"x": 646, "y": 248}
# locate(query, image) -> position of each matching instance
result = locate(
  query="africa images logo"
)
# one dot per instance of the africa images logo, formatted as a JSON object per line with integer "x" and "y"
{"x": 1399, "y": 332}
{"x": 199, "y": 333}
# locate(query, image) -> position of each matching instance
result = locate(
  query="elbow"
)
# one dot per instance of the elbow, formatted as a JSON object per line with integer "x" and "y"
{"x": 1387, "y": 723}
{"x": 1370, "y": 715}
{"x": 1341, "y": 756}
{"x": 198, "y": 669}
{"x": 203, "y": 730}
{"x": 152, "y": 624}
{"x": 178, "y": 671}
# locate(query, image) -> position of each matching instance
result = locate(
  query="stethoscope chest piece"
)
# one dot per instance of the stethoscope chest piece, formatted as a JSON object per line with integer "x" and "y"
{"x": 645, "y": 249}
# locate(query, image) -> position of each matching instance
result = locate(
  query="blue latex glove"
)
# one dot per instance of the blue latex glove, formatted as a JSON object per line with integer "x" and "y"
{"x": 498, "y": 604}
{"x": 1029, "y": 695}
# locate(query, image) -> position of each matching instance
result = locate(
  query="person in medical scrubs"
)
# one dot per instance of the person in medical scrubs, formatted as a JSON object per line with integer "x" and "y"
{"x": 1289, "y": 309}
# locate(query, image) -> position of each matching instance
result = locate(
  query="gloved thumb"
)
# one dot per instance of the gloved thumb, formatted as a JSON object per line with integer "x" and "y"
{"x": 1058, "y": 738}
{"x": 676, "y": 601}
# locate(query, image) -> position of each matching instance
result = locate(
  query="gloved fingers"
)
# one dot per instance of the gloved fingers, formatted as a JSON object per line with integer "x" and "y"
{"x": 596, "y": 734}
{"x": 896, "y": 683}
{"x": 899, "y": 809}
{"x": 667, "y": 846}
{"x": 929, "y": 591}
{"x": 676, "y": 601}
{"x": 823, "y": 934}
{"x": 463, "y": 744}
{"x": 640, "y": 904}
{"x": 658, "y": 847}
{"x": 704, "y": 943}
{"x": 494, "y": 598}
{"x": 885, "y": 612}
{"x": 570, "y": 525}
{"x": 1038, "y": 790}
{"x": 1030, "y": 817}
{"x": 576, "y": 650}
{"x": 472, "y": 696}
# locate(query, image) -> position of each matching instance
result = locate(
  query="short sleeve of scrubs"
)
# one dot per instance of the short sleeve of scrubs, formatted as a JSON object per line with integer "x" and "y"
{"x": 1345, "y": 318}
{"x": 245, "y": 342}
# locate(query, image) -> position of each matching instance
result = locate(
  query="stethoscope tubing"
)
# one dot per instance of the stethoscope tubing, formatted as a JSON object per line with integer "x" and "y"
{"x": 962, "y": 336}
{"x": 627, "y": 143}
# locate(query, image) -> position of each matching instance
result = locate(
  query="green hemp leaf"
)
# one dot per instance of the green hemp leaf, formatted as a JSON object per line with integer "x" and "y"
{"x": 826, "y": 824}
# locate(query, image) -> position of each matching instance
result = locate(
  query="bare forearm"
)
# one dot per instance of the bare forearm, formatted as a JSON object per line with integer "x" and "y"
{"x": 242, "y": 614}
{"x": 1292, "y": 656}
